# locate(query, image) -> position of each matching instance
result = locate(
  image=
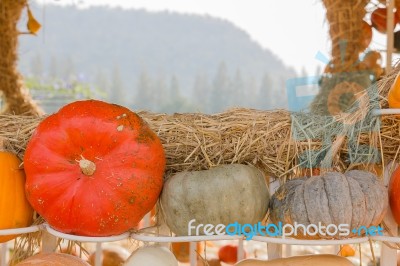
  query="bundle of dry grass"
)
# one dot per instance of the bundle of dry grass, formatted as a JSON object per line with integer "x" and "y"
{"x": 279, "y": 142}
{"x": 17, "y": 99}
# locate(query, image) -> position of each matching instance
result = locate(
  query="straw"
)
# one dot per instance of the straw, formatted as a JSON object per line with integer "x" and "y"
{"x": 278, "y": 142}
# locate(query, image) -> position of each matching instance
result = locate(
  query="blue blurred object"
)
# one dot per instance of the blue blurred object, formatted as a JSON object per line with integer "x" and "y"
{"x": 301, "y": 92}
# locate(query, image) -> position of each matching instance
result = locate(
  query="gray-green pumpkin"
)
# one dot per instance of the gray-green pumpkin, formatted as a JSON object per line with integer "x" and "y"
{"x": 356, "y": 198}
{"x": 222, "y": 195}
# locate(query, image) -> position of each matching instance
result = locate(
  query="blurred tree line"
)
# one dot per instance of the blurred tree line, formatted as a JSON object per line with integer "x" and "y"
{"x": 157, "y": 93}
{"x": 160, "y": 61}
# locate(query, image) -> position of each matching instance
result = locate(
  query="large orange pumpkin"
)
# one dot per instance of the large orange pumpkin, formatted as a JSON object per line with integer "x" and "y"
{"x": 93, "y": 169}
{"x": 14, "y": 208}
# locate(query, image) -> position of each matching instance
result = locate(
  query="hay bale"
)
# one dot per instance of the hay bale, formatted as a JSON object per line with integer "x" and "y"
{"x": 278, "y": 142}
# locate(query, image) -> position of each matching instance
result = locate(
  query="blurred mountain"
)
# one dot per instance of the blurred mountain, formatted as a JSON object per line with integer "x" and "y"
{"x": 155, "y": 60}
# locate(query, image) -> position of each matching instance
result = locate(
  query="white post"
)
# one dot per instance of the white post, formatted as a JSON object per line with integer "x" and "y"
{"x": 274, "y": 250}
{"x": 192, "y": 253}
{"x": 49, "y": 242}
{"x": 147, "y": 220}
{"x": 3, "y": 254}
{"x": 389, "y": 255}
{"x": 336, "y": 249}
{"x": 98, "y": 259}
{"x": 240, "y": 251}
{"x": 288, "y": 251}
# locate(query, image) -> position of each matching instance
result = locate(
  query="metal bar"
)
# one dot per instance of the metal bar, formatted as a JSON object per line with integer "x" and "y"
{"x": 193, "y": 254}
{"x": 3, "y": 254}
{"x": 98, "y": 255}
{"x": 49, "y": 242}
{"x": 240, "y": 251}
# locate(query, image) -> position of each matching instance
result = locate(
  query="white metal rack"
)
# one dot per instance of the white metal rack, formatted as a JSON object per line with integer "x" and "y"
{"x": 169, "y": 239}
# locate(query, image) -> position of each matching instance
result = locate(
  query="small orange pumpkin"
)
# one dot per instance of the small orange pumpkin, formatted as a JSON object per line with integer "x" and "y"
{"x": 13, "y": 203}
{"x": 394, "y": 93}
{"x": 228, "y": 254}
{"x": 378, "y": 19}
{"x": 347, "y": 251}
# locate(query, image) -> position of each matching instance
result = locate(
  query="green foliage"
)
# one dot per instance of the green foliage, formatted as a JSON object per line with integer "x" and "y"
{"x": 53, "y": 93}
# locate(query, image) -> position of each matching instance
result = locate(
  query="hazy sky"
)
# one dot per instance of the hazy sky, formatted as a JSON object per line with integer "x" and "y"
{"x": 294, "y": 30}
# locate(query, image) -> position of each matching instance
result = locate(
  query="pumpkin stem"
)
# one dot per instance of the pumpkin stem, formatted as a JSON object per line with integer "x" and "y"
{"x": 87, "y": 167}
